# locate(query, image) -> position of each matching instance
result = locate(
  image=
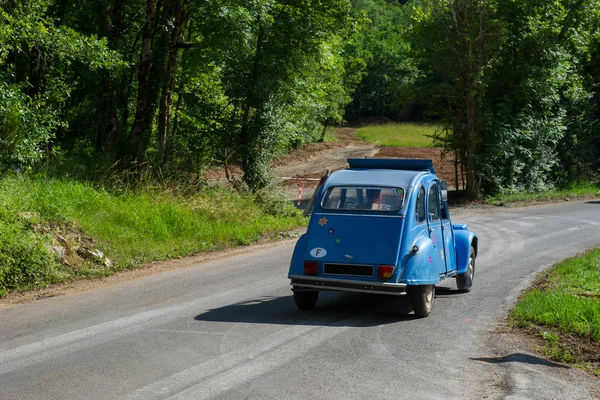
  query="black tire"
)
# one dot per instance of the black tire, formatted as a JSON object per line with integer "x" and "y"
{"x": 422, "y": 299}
{"x": 306, "y": 299}
{"x": 465, "y": 281}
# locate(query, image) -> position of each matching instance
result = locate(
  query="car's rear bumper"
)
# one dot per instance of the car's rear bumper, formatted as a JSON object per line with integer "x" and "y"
{"x": 319, "y": 283}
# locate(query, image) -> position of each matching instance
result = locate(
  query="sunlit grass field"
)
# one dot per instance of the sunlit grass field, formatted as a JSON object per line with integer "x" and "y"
{"x": 130, "y": 228}
{"x": 564, "y": 303}
{"x": 399, "y": 134}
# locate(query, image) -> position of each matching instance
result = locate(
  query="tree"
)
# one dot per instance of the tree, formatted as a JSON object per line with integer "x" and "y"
{"x": 536, "y": 100}
{"x": 390, "y": 66}
{"x": 278, "y": 71}
{"x": 457, "y": 41}
{"x": 38, "y": 60}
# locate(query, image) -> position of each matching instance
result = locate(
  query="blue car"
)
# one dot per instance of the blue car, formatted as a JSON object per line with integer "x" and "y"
{"x": 382, "y": 226}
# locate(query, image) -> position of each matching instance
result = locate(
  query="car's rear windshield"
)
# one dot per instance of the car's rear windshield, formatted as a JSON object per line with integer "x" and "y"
{"x": 371, "y": 198}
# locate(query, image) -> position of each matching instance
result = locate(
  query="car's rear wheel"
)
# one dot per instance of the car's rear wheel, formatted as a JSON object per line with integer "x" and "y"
{"x": 465, "y": 281}
{"x": 305, "y": 299}
{"x": 422, "y": 299}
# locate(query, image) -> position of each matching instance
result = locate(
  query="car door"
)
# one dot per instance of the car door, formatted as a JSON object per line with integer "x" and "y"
{"x": 435, "y": 228}
{"x": 449, "y": 248}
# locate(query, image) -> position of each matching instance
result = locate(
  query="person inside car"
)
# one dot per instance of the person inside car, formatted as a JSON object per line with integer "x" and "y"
{"x": 372, "y": 200}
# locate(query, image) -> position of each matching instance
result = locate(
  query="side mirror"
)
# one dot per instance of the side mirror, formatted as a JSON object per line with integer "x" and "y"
{"x": 444, "y": 190}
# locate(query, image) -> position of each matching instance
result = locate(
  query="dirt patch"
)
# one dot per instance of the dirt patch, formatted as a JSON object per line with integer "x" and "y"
{"x": 312, "y": 161}
{"x": 343, "y": 137}
{"x": 331, "y": 159}
{"x": 297, "y": 162}
{"x": 216, "y": 173}
{"x": 444, "y": 165}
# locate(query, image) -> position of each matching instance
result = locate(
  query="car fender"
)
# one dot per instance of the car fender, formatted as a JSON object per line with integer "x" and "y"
{"x": 464, "y": 239}
{"x": 297, "y": 263}
{"x": 418, "y": 269}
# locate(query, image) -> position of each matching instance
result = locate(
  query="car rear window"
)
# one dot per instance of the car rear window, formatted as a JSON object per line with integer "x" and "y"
{"x": 370, "y": 198}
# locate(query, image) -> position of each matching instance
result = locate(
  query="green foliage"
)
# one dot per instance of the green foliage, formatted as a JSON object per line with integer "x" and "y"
{"x": 564, "y": 309}
{"x": 531, "y": 104}
{"x": 572, "y": 314}
{"x": 380, "y": 48}
{"x": 400, "y": 134}
{"x": 574, "y": 189}
{"x": 23, "y": 129}
{"x": 25, "y": 260}
{"x": 285, "y": 78}
{"x": 562, "y": 301}
{"x": 131, "y": 227}
{"x": 458, "y": 42}
{"x": 32, "y": 97}
{"x": 507, "y": 77}
{"x": 184, "y": 85}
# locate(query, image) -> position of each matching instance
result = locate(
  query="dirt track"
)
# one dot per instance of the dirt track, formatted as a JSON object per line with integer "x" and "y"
{"x": 313, "y": 161}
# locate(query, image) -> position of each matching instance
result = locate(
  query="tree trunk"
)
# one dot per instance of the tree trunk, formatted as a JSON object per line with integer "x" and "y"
{"x": 181, "y": 19}
{"x": 246, "y": 140}
{"x": 138, "y": 136}
{"x": 456, "y": 170}
{"x": 108, "y": 137}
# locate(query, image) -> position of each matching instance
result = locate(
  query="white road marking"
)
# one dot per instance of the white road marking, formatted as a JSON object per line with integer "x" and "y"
{"x": 59, "y": 346}
{"x": 505, "y": 242}
{"x": 521, "y": 223}
{"x": 238, "y": 366}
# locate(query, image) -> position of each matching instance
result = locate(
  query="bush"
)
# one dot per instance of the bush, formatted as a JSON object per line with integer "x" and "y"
{"x": 25, "y": 261}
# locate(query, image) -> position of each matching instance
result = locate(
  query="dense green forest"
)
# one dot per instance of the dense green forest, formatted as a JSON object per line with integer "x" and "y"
{"x": 173, "y": 87}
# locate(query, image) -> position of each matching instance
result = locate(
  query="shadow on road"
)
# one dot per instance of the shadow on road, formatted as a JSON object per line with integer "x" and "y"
{"x": 339, "y": 309}
{"x": 592, "y": 202}
{"x": 441, "y": 291}
{"x": 520, "y": 358}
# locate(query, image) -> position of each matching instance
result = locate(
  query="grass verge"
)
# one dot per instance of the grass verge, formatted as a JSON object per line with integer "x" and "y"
{"x": 47, "y": 225}
{"x": 562, "y": 311}
{"x": 399, "y": 134}
{"x": 573, "y": 191}
{"x": 330, "y": 137}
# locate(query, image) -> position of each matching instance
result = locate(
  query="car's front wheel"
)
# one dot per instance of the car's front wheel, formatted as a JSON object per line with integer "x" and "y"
{"x": 422, "y": 299}
{"x": 305, "y": 299}
{"x": 465, "y": 281}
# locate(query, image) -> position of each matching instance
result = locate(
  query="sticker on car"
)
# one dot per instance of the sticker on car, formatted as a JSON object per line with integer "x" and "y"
{"x": 318, "y": 252}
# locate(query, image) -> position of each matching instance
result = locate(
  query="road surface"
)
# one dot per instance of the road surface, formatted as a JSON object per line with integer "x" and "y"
{"x": 229, "y": 329}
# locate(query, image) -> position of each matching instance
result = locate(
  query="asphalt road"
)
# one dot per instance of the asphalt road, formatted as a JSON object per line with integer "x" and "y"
{"x": 229, "y": 329}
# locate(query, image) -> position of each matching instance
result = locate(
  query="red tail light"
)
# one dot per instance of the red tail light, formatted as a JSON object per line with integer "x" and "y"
{"x": 383, "y": 271}
{"x": 311, "y": 268}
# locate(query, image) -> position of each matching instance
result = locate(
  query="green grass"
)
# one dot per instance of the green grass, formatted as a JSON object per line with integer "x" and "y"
{"x": 399, "y": 134}
{"x": 330, "y": 137}
{"x": 129, "y": 228}
{"x": 574, "y": 190}
{"x": 25, "y": 261}
{"x": 565, "y": 302}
